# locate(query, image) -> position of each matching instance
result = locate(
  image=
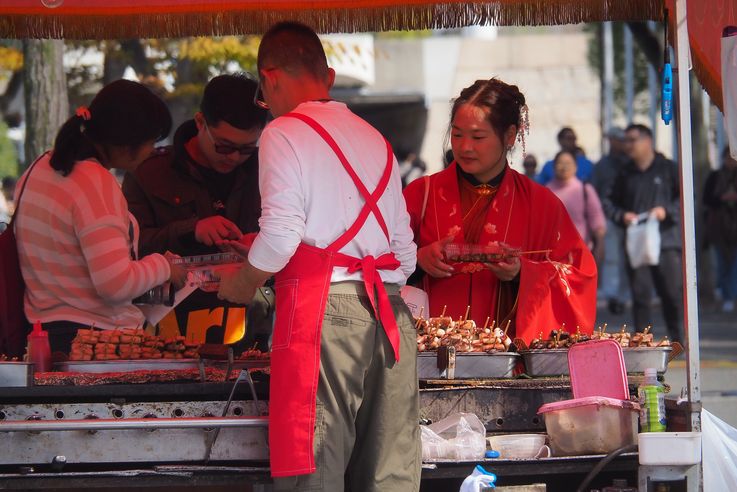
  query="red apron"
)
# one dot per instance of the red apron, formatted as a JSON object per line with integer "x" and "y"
{"x": 301, "y": 291}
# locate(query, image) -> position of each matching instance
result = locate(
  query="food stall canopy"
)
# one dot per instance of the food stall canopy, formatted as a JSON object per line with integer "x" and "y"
{"x": 117, "y": 19}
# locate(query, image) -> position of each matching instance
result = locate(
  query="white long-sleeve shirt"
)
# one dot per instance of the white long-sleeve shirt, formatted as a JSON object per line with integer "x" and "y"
{"x": 306, "y": 195}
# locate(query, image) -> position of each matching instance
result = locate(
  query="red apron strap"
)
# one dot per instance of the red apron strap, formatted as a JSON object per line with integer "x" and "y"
{"x": 371, "y": 199}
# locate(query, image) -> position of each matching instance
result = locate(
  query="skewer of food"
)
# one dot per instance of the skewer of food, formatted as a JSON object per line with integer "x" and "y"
{"x": 464, "y": 335}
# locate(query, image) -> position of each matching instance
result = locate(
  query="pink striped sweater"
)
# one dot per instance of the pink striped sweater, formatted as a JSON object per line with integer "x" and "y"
{"x": 74, "y": 248}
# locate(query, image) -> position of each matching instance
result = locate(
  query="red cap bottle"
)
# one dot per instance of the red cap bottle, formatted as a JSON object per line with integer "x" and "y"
{"x": 39, "y": 352}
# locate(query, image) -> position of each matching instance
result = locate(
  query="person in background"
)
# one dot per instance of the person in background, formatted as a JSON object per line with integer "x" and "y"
{"x": 649, "y": 184}
{"x": 5, "y": 212}
{"x": 720, "y": 198}
{"x": 581, "y": 202}
{"x": 202, "y": 190}
{"x": 7, "y": 205}
{"x": 17, "y": 135}
{"x": 76, "y": 239}
{"x": 479, "y": 199}
{"x": 567, "y": 141}
{"x": 530, "y": 166}
{"x": 411, "y": 166}
{"x": 344, "y": 403}
{"x": 613, "y": 284}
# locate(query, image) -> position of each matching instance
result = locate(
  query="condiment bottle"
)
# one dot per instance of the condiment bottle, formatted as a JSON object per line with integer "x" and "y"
{"x": 652, "y": 403}
{"x": 39, "y": 352}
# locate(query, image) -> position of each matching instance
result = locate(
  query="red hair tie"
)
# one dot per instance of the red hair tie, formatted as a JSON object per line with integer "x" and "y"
{"x": 83, "y": 113}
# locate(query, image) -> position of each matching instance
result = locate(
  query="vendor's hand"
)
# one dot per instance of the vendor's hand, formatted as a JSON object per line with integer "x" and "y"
{"x": 215, "y": 229}
{"x": 241, "y": 246}
{"x": 177, "y": 275}
{"x": 430, "y": 258}
{"x": 629, "y": 218}
{"x": 233, "y": 286}
{"x": 506, "y": 269}
{"x": 658, "y": 213}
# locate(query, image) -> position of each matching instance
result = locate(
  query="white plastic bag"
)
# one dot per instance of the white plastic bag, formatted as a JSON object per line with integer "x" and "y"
{"x": 643, "y": 242}
{"x": 729, "y": 91}
{"x": 416, "y": 300}
{"x": 719, "y": 453}
{"x": 478, "y": 481}
{"x": 459, "y": 437}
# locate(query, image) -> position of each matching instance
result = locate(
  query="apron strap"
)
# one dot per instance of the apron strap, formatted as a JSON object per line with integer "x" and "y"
{"x": 374, "y": 285}
{"x": 371, "y": 199}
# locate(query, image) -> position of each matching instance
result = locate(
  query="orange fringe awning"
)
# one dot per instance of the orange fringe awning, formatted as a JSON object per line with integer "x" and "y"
{"x": 117, "y": 19}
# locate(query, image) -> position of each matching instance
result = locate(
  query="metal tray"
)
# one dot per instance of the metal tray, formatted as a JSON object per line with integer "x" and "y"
{"x": 546, "y": 362}
{"x": 637, "y": 359}
{"x": 16, "y": 374}
{"x": 123, "y": 365}
{"x": 100, "y": 366}
{"x": 468, "y": 365}
{"x": 554, "y": 362}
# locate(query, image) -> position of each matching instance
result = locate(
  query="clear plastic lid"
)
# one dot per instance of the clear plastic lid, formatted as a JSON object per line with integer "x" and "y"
{"x": 205, "y": 279}
{"x": 482, "y": 253}
{"x": 196, "y": 261}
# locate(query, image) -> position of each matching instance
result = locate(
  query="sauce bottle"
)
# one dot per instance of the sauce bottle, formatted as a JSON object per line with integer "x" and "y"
{"x": 39, "y": 352}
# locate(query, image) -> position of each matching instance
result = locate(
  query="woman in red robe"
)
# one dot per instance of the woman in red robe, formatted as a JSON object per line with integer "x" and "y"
{"x": 479, "y": 199}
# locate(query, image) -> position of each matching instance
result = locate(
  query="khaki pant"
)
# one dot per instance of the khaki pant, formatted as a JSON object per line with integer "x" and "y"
{"x": 367, "y": 435}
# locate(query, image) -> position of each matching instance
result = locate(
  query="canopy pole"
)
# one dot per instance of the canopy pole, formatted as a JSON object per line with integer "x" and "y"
{"x": 690, "y": 299}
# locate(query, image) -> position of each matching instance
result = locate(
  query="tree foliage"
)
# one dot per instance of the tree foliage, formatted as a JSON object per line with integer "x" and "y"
{"x": 640, "y": 65}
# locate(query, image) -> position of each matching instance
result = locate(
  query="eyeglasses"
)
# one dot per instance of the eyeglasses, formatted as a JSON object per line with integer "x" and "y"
{"x": 258, "y": 97}
{"x": 226, "y": 149}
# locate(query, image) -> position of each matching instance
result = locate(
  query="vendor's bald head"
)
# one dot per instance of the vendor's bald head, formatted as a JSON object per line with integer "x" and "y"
{"x": 294, "y": 48}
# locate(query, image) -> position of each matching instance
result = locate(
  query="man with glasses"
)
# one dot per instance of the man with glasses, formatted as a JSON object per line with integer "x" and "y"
{"x": 648, "y": 185}
{"x": 201, "y": 191}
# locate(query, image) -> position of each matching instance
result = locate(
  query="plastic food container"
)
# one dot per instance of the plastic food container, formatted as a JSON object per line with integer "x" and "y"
{"x": 669, "y": 448}
{"x": 518, "y": 446}
{"x": 484, "y": 253}
{"x": 591, "y": 425}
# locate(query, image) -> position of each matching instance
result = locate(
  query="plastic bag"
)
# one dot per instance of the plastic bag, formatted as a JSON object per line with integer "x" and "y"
{"x": 459, "y": 437}
{"x": 729, "y": 91}
{"x": 719, "y": 453}
{"x": 643, "y": 242}
{"x": 478, "y": 481}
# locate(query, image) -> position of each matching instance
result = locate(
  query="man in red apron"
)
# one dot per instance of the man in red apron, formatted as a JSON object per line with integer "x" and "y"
{"x": 344, "y": 404}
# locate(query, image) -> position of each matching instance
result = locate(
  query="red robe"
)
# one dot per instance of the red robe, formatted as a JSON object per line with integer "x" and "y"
{"x": 554, "y": 288}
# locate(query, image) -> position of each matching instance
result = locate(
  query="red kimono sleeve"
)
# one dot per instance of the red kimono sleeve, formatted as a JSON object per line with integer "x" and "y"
{"x": 561, "y": 288}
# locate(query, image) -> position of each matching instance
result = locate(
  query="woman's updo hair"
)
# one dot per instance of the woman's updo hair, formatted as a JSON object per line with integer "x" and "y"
{"x": 503, "y": 103}
{"x": 122, "y": 114}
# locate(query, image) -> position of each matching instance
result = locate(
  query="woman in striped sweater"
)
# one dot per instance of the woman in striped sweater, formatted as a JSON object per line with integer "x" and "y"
{"x": 76, "y": 239}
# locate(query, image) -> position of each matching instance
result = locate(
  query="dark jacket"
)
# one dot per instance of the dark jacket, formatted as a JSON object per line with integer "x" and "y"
{"x": 639, "y": 191}
{"x": 168, "y": 195}
{"x": 606, "y": 172}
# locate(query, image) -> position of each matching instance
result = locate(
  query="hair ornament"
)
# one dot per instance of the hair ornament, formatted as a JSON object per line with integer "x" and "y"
{"x": 523, "y": 127}
{"x": 84, "y": 113}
